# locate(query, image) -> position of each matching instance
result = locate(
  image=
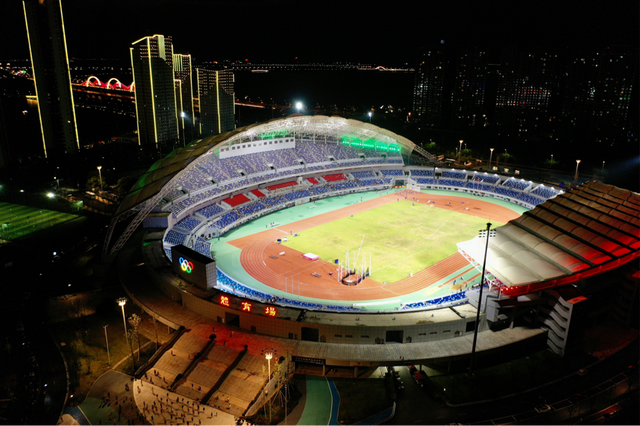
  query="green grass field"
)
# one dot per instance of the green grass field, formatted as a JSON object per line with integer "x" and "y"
{"x": 17, "y": 221}
{"x": 401, "y": 238}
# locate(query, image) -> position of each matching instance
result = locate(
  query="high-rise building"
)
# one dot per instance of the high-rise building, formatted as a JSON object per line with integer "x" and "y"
{"x": 153, "y": 76}
{"x": 428, "y": 90}
{"x": 50, "y": 65}
{"x": 184, "y": 97}
{"x": 469, "y": 88}
{"x": 216, "y": 100}
{"x": 597, "y": 85}
{"x": 526, "y": 83}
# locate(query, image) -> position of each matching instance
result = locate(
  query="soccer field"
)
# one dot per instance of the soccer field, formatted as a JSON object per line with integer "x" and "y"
{"x": 401, "y": 238}
{"x": 17, "y": 221}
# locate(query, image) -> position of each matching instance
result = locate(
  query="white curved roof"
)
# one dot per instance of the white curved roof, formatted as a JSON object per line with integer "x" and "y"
{"x": 579, "y": 231}
{"x": 315, "y": 127}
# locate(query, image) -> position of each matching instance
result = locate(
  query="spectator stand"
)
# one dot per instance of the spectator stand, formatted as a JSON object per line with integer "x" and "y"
{"x": 334, "y": 177}
{"x": 485, "y": 178}
{"x": 440, "y": 302}
{"x": 257, "y": 193}
{"x": 545, "y": 192}
{"x": 236, "y": 200}
{"x": 519, "y": 185}
{"x": 428, "y": 173}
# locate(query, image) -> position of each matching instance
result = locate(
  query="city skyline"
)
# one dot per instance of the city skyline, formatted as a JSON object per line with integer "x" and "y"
{"x": 371, "y": 32}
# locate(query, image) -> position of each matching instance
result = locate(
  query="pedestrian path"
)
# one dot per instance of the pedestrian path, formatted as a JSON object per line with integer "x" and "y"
{"x": 159, "y": 406}
{"x": 318, "y": 407}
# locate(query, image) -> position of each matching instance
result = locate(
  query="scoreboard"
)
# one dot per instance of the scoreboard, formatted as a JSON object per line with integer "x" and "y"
{"x": 193, "y": 267}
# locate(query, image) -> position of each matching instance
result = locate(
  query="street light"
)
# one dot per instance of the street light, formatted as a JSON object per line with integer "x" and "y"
{"x": 183, "y": 115}
{"x": 100, "y": 174}
{"x": 490, "y": 157}
{"x": 484, "y": 233}
{"x": 106, "y": 337}
{"x": 575, "y": 178}
{"x": 268, "y": 354}
{"x": 123, "y": 301}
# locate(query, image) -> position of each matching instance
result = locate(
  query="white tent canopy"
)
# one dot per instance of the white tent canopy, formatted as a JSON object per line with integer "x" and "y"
{"x": 580, "y": 230}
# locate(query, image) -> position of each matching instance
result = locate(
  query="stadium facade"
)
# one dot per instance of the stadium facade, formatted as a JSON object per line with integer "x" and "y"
{"x": 541, "y": 267}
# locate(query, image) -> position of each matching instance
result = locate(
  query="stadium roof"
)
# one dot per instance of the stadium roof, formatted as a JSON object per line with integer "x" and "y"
{"x": 591, "y": 229}
{"x": 298, "y": 125}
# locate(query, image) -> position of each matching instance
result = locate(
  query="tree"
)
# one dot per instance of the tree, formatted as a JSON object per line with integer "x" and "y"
{"x": 93, "y": 184}
{"x": 132, "y": 334}
{"x": 134, "y": 320}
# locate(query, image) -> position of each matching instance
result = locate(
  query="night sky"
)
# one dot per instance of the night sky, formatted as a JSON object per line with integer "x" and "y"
{"x": 383, "y": 32}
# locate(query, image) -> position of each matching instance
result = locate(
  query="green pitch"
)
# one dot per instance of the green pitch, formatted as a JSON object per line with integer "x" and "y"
{"x": 17, "y": 221}
{"x": 402, "y": 238}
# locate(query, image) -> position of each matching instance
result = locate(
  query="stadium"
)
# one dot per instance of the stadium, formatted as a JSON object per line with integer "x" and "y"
{"x": 321, "y": 229}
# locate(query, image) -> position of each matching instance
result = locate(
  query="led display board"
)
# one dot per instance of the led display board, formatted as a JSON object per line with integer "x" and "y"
{"x": 193, "y": 267}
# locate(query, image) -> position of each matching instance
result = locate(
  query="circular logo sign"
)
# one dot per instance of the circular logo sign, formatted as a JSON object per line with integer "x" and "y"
{"x": 186, "y": 265}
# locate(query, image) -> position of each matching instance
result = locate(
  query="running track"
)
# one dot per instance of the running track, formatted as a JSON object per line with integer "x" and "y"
{"x": 291, "y": 273}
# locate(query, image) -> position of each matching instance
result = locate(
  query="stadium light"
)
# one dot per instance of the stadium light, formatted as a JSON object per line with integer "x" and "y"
{"x": 50, "y": 194}
{"x": 490, "y": 157}
{"x": 575, "y": 178}
{"x": 370, "y": 114}
{"x": 483, "y": 233}
{"x": 299, "y": 106}
{"x": 268, "y": 354}
{"x": 460, "y": 151}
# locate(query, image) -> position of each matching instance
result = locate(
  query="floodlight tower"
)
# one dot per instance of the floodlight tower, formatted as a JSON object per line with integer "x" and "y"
{"x": 268, "y": 354}
{"x": 484, "y": 233}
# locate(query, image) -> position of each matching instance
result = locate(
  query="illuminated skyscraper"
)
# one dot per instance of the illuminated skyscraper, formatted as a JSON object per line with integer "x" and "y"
{"x": 469, "y": 88}
{"x": 597, "y": 92}
{"x": 152, "y": 67}
{"x": 526, "y": 84}
{"x": 429, "y": 86}
{"x": 184, "y": 96}
{"x": 217, "y": 101}
{"x": 50, "y": 65}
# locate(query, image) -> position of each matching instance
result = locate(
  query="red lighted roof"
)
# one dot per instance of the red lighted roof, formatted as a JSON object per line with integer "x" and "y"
{"x": 575, "y": 235}
{"x": 282, "y": 185}
{"x": 257, "y": 193}
{"x": 236, "y": 200}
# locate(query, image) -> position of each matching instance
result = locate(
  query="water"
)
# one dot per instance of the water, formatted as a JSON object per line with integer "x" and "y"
{"x": 346, "y": 89}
